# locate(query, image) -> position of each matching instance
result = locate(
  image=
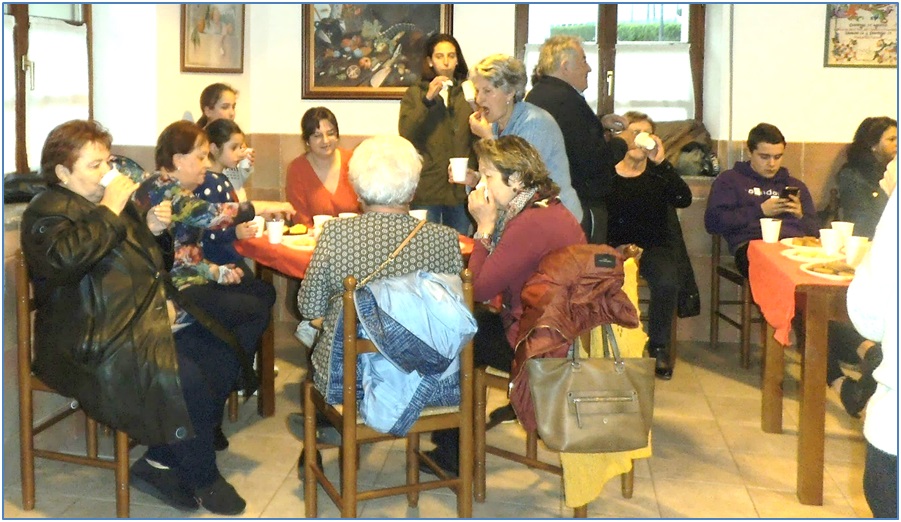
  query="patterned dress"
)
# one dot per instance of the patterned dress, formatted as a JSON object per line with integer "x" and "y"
{"x": 218, "y": 245}
{"x": 357, "y": 246}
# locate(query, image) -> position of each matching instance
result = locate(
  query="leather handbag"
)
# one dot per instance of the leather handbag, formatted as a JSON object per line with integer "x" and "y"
{"x": 593, "y": 405}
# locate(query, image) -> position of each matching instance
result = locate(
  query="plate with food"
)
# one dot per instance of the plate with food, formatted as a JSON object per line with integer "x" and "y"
{"x": 809, "y": 256}
{"x": 304, "y": 242}
{"x": 294, "y": 230}
{"x": 834, "y": 270}
{"x": 802, "y": 243}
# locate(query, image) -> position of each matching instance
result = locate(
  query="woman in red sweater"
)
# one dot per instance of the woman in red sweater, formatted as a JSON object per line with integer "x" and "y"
{"x": 317, "y": 180}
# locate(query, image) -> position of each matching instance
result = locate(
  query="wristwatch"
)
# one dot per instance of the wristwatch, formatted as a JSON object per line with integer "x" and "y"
{"x": 481, "y": 235}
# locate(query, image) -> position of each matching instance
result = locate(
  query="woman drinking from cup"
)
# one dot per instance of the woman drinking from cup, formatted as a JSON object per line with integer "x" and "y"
{"x": 317, "y": 181}
{"x": 638, "y": 207}
{"x": 102, "y": 332}
{"x": 434, "y": 116}
{"x": 500, "y": 82}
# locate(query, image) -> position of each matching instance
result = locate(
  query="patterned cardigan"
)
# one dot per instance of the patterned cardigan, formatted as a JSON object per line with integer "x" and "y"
{"x": 357, "y": 246}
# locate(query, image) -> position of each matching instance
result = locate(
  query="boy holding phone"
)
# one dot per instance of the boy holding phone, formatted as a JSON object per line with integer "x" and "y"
{"x": 757, "y": 188}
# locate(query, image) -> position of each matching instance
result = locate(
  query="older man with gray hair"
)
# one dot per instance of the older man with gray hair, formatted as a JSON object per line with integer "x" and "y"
{"x": 557, "y": 83}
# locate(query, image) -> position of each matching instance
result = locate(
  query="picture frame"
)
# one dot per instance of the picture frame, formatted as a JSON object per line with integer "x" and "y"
{"x": 861, "y": 35}
{"x": 212, "y": 38}
{"x": 367, "y": 51}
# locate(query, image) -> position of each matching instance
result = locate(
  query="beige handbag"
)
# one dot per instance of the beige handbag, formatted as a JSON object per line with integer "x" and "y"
{"x": 593, "y": 405}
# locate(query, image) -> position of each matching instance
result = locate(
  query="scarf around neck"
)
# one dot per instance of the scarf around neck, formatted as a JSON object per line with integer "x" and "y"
{"x": 516, "y": 205}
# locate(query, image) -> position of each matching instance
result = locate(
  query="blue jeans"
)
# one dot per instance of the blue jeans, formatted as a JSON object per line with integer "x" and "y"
{"x": 454, "y": 216}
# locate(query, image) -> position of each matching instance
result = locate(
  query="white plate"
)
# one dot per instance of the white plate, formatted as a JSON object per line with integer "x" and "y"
{"x": 806, "y": 269}
{"x": 301, "y": 242}
{"x": 809, "y": 256}
{"x": 788, "y": 242}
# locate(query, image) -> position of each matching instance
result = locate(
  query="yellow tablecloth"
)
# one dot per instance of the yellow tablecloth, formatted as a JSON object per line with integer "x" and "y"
{"x": 585, "y": 474}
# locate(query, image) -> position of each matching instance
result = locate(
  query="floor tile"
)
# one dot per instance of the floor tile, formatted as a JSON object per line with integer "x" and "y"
{"x": 684, "y": 499}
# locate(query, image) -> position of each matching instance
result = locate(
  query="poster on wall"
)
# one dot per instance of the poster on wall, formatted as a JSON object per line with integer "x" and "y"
{"x": 367, "y": 51}
{"x": 861, "y": 35}
{"x": 212, "y": 38}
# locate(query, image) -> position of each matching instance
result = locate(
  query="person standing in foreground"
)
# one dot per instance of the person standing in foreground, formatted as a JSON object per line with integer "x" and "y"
{"x": 557, "y": 85}
{"x": 873, "y": 308}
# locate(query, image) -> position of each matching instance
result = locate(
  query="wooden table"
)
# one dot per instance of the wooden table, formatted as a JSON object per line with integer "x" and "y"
{"x": 270, "y": 259}
{"x": 782, "y": 289}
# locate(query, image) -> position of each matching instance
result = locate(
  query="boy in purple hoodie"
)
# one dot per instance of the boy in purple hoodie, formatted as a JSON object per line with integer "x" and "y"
{"x": 752, "y": 190}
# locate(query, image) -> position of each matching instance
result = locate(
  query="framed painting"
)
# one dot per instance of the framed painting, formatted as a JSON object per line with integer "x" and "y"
{"x": 861, "y": 35}
{"x": 212, "y": 38}
{"x": 367, "y": 51}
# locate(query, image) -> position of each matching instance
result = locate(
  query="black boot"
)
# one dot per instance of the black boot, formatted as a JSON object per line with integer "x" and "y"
{"x": 663, "y": 368}
{"x": 855, "y": 394}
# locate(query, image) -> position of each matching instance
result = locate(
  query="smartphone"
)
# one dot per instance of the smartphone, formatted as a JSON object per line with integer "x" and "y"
{"x": 790, "y": 191}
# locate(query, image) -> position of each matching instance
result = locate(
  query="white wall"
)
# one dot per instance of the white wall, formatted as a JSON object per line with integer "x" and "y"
{"x": 779, "y": 77}
{"x": 770, "y": 69}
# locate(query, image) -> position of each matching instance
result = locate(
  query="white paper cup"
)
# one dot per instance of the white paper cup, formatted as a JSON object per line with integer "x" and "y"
{"x": 419, "y": 214}
{"x": 245, "y": 163}
{"x": 320, "y": 219}
{"x": 644, "y": 140}
{"x": 343, "y": 215}
{"x": 458, "y": 169}
{"x": 260, "y": 222}
{"x": 845, "y": 228}
{"x": 275, "y": 229}
{"x": 856, "y": 248}
{"x": 109, "y": 177}
{"x": 469, "y": 91}
{"x": 769, "y": 229}
{"x": 831, "y": 240}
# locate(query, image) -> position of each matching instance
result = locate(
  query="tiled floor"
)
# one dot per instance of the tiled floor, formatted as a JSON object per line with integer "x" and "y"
{"x": 711, "y": 460}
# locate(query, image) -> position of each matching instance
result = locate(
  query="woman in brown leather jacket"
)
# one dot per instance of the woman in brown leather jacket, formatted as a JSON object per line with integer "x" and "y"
{"x": 102, "y": 333}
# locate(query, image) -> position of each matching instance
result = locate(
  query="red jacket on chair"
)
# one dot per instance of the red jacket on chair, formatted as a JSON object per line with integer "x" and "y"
{"x": 574, "y": 289}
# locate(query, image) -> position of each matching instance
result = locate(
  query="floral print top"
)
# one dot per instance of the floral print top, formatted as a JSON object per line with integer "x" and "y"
{"x": 191, "y": 216}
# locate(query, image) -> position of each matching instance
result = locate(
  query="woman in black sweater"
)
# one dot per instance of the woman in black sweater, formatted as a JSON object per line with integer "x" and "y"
{"x": 638, "y": 206}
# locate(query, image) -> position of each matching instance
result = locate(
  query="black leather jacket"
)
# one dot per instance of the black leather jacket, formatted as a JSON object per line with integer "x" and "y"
{"x": 102, "y": 331}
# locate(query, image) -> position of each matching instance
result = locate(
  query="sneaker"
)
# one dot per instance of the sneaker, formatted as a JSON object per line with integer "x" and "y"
{"x": 220, "y": 498}
{"x": 220, "y": 441}
{"x": 162, "y": 484}
{"x": 325, "y": 432}
{"x": 449, "y": 469}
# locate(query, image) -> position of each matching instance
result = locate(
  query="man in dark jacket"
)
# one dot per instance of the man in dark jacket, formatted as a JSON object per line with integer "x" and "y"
{"x": 557, "y": 83}
{"x": 752, "y": 190}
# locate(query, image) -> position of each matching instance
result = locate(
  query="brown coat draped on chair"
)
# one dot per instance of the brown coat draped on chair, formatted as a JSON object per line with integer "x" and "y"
{"x": 574, "y": 289}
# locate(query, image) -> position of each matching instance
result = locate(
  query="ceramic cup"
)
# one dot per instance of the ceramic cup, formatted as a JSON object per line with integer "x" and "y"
{"x": 260, "y": 222}
{"x": 845, "y": 228}
{"x": 275, "y": 229}
{"x": 856, "y": 248}
{"x": 458, "y": 169}
{"x": 831, "y": 240}
{"x": 419, "y": 214}
{"x": 769, "y": 229}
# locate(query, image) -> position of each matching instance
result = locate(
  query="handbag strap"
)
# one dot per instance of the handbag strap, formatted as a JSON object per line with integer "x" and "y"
{"x": 610, "y": 345}
{"x": 392, "y": 255}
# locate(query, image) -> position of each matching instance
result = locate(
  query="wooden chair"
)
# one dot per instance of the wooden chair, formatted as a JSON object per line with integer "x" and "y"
{"x": 28, "y": 384}
{"x": 727, "y": 270}
{"x": 487, "y": 376}
{"x": 353, "y": 432}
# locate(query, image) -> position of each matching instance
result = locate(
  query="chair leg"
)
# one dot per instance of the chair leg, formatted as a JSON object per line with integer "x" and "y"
{"x": 479, "y": 435}
{"x": 310, "y": 484}
{"x": 122, "y": 498}
{"x": 233, "y": 406}
{"x": 412, "y": 468}
{"x": 581, "y": 512}
{"x": 26, "y": 449}
{"x": 745, "y": 325}
{"x": 90, "y": 437}
{"x": 532, "y": 445}
{"x": 714, "y": 308}
{"x": 627, "y": 480}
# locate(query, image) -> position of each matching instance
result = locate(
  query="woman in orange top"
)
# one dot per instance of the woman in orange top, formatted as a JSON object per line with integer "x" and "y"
{"x": 317, "y": 180}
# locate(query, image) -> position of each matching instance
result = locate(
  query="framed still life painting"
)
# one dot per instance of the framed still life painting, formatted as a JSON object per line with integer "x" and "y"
{"x": 212, "y": 38}
{"x": 367, "y": 51}
{"x": 861, "y": 35}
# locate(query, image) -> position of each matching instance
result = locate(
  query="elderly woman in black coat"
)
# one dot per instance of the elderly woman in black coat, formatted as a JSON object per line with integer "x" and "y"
{"x": 102, "y": 324}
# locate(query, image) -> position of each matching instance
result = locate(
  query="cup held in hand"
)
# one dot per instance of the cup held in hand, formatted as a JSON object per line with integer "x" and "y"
{"x": 260, "y": 222}
{"x": 109, "y": 177}
{"x": 458, "y": 169}
{"x": 769, "y": 229}
{"x": 245, "y": 163}
{"x": 469, "y": 91}
{"x": 644, "y": 140}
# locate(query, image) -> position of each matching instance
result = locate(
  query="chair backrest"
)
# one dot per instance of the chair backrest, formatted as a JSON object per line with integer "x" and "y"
{"x": 354, "y": 346}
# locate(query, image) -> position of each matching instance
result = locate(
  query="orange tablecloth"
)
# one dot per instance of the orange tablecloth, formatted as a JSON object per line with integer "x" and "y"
{"x": 774, "y": 279}
{"x": 292, "y": 262}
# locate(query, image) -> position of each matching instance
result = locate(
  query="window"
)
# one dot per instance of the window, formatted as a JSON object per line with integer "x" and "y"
{"x": 622, "y": 43}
